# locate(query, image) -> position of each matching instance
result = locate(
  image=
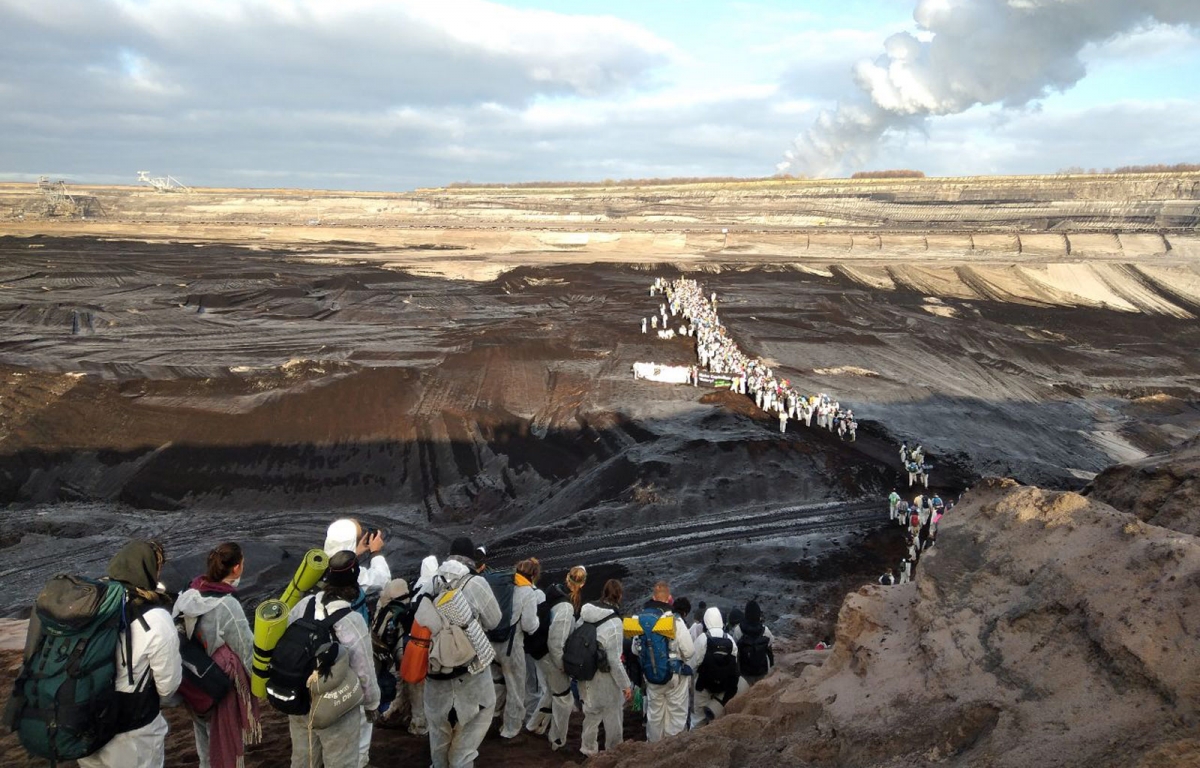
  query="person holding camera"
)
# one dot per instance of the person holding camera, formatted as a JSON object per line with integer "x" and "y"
{"x": 367, "y": 543}
{"x": 374, "y": 574}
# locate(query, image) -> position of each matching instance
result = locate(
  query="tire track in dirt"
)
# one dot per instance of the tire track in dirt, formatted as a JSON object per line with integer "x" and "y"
{"x": 644, "y": 541}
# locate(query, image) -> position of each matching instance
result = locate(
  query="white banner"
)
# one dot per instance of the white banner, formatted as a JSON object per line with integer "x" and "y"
{"x": 669, "y": 374}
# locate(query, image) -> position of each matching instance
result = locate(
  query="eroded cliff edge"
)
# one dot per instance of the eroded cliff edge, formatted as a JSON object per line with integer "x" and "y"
{"x": 1045, "y": 629}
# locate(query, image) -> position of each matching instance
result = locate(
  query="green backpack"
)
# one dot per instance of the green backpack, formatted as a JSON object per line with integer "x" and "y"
{"x": 64, "y": 702}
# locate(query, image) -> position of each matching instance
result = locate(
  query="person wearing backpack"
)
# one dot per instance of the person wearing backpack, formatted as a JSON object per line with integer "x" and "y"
{"x": 605, "y": 694}
{"x": 211, "y": 614}
{"x": 344, "y": 668}
{"x": 716, "y": 665}
{"x": 754, "y": 639}
{"x": 510, "y": 650}
{"x": 459, "y": 700}
{"x": 414, "y": 663}
{"x": 556, "y": 618}
{"x": 663, "y": 649}
{"x": 149, "y": 668}
{"x": 392, "y": 623}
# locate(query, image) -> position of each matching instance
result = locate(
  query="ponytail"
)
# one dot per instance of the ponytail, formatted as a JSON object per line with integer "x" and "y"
{"x": 222, "y": 560}
{"x": 576, "y": 578}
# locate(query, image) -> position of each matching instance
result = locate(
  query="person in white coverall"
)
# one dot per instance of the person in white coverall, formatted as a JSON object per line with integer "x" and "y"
{"x": 373, "y": 575}
{"x": 339, "y": 744}
{"x": 469, "y": 696}
{"x": 210, "y": 609}
{"x": 510, "y": 654}
{"x": 346, "y": 534}
{"x": 414, "y": 693}
{"x": 154, "y": 662}
{"x": 604, "y": 696}
{"x": 667, "y": 704}
{"x": 556, "y": 704}
{"x": 708, "y": 706}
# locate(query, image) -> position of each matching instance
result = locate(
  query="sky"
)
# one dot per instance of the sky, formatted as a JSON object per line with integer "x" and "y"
{"x": 396, "y": 94}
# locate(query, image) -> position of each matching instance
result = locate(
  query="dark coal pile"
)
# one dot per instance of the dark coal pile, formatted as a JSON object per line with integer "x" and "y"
{"x": 198, "y": 394}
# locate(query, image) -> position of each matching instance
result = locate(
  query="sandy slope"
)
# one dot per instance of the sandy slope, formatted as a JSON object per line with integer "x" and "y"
{"x": 1044, "y": 629}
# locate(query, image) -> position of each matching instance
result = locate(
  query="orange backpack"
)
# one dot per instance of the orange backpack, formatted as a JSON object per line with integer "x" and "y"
{"x": 414, "y": 664}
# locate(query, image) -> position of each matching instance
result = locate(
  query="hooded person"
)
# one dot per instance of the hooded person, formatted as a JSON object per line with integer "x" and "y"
{"x": 604, "y": 696}
{"x": 149, "y": 667}
{"x": 429, "y": 568}
{"x": 667, "y": 703}
{"x": 713, "y": 692}
{"x": 459, "y": 700}
{"x": 212, "y": 614}
{"x": 347, "y": 534}
{"x": 414, "y": 693}
{"x": 510, "y": 653}
{"x": 339, "y": 745}
{"x": 755, "y": 654}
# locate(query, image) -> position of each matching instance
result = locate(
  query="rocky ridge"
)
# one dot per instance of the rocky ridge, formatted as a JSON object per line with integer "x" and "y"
{"x": 1044, "y": 629}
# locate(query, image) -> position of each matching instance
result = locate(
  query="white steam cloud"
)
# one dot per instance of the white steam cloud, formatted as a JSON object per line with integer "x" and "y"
{"x": 969, "y": 52}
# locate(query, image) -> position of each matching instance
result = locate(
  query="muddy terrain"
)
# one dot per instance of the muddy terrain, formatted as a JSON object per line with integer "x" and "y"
{"x": 236, "y": 377}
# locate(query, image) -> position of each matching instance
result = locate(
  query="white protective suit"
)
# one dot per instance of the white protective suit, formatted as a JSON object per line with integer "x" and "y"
{"x": 341, "y": 743}
{"x": 556, "y": 703}
{"x": 470, "y": 696}
{"x": 222, "y": 621}
{"x": 708, "y": 706}
{"x": 373, "y": 575}
{"x": 155, "y": 650}
{"x": 414, "y": 694}
{"x": 511, "y": 657}
{"x": 604, "y": 695}
{"x": 667, "y": 704}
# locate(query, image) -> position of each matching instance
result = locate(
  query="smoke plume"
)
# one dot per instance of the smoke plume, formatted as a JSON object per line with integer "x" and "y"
{"x": 969, "y": 52}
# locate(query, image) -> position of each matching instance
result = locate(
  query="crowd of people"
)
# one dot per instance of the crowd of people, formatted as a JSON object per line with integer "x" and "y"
{"x": 919, "y": 518}
{"x": 719, "y": 354}
{"x": 441, "y": 654}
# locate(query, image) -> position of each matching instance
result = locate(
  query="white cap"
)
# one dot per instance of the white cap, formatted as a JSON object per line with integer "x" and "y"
{"x": 342, "y": 535}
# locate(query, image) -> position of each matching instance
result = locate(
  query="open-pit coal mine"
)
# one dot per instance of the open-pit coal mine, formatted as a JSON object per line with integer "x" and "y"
{"x": 214, "y": 366}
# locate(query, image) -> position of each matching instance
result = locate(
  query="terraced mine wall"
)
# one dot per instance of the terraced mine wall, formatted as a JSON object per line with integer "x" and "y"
{"x": 1134, "y": 202}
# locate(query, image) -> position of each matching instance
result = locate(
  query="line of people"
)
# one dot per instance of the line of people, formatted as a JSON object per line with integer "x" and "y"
{"x": 912, "y": 460}
{"x": 463, "y": 643}
{"x": 919, "y": 518}
{"x": 718, "y": 353}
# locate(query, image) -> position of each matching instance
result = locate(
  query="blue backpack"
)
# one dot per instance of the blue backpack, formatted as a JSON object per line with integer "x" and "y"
{"x": 655, "y": 651}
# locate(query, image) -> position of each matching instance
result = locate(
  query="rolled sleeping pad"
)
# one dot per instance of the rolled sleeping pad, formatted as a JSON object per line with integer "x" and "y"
{"x": 664, "y": 625}
{"x": 311, "y": 569}
{"x": 270, "y": 620}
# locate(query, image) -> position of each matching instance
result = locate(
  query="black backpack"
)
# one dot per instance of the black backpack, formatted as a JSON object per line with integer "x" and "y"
{"x": 307, "y": 644}
{"x": 391, "y": 625}
{"x": 204, "y": 683}
{"x": 502, "y": 586}
{"x": 582, "y": 655}
{"x": 718, "y": 673}
{"x": 754, "y": 652}
{"x": 537, "y": 643}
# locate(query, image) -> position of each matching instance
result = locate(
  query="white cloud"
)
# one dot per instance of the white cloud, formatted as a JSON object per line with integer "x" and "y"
{"x": 400, "y": 93}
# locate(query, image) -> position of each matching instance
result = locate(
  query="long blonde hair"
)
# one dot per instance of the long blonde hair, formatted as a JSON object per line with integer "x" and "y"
{"x": 576, "y": 578}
